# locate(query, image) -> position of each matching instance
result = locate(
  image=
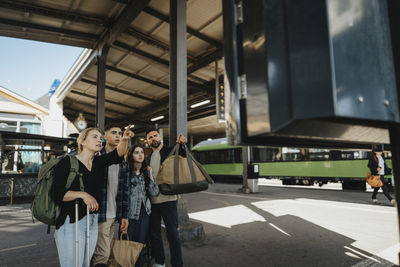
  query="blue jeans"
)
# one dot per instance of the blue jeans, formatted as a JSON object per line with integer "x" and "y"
{"x": 65, "y": 241}
{"x": 168, "y": 211}
{"x": 384, "y": 189}
{"x": 137, "y": 231}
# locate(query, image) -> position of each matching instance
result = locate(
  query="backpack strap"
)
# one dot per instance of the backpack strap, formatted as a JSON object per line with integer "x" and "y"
{"x": 73, "y": 172}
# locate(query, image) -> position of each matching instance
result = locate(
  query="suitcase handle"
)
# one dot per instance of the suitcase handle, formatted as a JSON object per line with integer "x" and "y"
{"x": 77, "y": 235}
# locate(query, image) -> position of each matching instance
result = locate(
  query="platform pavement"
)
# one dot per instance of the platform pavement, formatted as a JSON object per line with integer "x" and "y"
{"x": 254, "y": 237}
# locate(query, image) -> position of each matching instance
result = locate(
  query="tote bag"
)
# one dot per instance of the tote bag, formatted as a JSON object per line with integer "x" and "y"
{"x": 180, "y": 175}
{"x": 124, "y": 253}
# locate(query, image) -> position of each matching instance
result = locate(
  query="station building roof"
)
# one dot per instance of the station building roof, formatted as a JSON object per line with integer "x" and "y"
{"x": 137, "y": 76}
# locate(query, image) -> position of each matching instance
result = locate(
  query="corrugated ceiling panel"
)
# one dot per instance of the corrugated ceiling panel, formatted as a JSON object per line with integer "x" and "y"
{"x": 134, "y": 63}
{"x": 154, "y": 92}
{"x": 214, "y": 30}
{"x": 133, "y": 85}
{"x": 197, "y": 47}
{"x": 160, "y": 5}
{"x": 145, "y": 22}
{"x": 200, "y": 12}
{"x": 115, "y": 78}
{"x": 115, "y": 55}
{"x": 162, "y": 33}
{"x": 155, "y": 72}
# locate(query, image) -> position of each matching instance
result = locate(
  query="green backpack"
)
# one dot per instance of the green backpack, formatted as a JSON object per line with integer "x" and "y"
{"x": 43, "y": 208}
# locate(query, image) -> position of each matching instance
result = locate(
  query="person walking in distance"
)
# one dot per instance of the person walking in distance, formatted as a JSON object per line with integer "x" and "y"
{"x": 164, "y": 206}
{"x": 377, "y": 166}
{"x": 108, "y": 205}
{"x": 91, "y": 168}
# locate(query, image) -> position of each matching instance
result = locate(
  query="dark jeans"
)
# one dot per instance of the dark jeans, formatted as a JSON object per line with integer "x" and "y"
{"x": 168, "y": 211}
{"x": 384, "y": 188}
{"x": 137, "y": 231}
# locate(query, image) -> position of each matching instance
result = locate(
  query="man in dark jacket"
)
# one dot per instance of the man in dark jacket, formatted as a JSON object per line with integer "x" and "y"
{"x": 377, "y": 166}
{"x": 164, "y": 206}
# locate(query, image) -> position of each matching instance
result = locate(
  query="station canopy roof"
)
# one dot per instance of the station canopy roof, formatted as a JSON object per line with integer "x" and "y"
{"x": 137, "y": 76}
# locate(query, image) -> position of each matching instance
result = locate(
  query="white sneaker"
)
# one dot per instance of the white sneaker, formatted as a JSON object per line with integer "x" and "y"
{"x": 375, "y": 201}
{"x": 159, "y": 265}
{"x": 393, "y": 202}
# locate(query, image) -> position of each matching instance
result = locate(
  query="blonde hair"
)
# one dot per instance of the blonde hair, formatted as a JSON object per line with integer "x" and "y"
{"x": 83, "y": 135}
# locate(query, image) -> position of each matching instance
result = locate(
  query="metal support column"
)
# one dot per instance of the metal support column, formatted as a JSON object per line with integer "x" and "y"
{"x": 178, "y": 71}
{"x": 101, "y": 86}
{"x": 395, "y": 147}
{"x": 178, "y": 104}
{"x": 245, "y": 159}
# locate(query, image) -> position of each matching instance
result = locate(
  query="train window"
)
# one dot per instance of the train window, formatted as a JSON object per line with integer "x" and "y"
{"x": 265, "y": 154}
{"x": 219, "y": 156}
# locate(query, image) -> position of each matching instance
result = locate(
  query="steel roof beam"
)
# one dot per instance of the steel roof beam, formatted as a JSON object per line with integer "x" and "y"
{"x": 72, "y": 112}
{"x": 107, "y": 101}
{"x": 162, "y": 107}
{"x": 198, "y": 115}
{"x": 94, "y": 107}
{"x": 147, "y": 39}
{"x": 165, "y": 18}
{"x": 54, "y": 13}
{"x": 190, "y": 30}
{"x": 159, "y": 84}
{"x": 130, "y": 12}
{"x": 90, "y": 36}
{"x": 204, "y": 61}
{"x": 137, "y": 77}
{"x": 115, "y": 89}
{"x": 201, "y": 62}
{"x": 141, "y": 53}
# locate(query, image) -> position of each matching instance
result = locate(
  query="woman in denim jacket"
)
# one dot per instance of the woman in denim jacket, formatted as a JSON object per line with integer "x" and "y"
{"x": 141, "y": 184}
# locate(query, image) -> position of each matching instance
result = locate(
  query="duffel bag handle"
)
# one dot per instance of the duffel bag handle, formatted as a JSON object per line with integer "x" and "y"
{"x": 190, "y": 160}
{"x": 193, "y": 160}
{"x": 175, "y": 153}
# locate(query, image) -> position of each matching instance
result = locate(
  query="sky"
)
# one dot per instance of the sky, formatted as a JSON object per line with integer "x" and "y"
{"x": 29, "y": 68}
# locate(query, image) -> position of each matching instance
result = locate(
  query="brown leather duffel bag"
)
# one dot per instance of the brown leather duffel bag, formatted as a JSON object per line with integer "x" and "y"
{"x": 180, "y": 175}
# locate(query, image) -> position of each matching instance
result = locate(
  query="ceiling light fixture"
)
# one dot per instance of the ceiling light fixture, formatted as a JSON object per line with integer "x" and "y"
{"x": 200, "y": 103}
{"x": 157, "y": 118}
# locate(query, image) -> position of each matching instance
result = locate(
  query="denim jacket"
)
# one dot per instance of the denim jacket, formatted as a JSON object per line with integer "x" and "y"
{"x": 137, "y": 194}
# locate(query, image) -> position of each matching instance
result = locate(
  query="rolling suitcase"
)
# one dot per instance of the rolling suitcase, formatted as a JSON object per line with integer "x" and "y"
{"x": 77, "y": 236}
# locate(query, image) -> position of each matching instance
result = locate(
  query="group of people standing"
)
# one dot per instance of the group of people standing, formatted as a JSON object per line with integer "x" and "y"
{"x": 120, "y": 190}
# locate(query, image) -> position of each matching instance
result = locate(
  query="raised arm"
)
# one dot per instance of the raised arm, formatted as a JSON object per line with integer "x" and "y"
{"x": 123, "y": 145}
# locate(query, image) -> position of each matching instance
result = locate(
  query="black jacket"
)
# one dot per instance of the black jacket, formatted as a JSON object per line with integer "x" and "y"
{"x": 373, "y": 165}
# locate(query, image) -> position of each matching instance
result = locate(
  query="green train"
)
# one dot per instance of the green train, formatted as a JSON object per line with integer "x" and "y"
{"x": 300, "y": 166}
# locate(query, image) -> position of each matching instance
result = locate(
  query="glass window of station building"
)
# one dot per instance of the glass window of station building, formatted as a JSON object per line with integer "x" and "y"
{"x": 21, "y": 156}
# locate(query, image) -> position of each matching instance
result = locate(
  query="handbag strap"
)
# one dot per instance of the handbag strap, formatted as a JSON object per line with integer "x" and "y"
{"x": 190, "y": 163}
{"x": 174, "y": 150}
{"x": 122, "y": 234}
{"x": 202, "y": 170}
{"x": 176, "y": 164}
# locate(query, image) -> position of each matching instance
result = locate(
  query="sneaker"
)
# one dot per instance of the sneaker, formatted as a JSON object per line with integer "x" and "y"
{"x": 159, "y": 265}
{"x": 393, "y": 202}
{"x": 375, "y": 201}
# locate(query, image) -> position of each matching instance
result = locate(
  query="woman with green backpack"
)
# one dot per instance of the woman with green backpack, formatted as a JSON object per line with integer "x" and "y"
{"x": 86, "y": 188}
